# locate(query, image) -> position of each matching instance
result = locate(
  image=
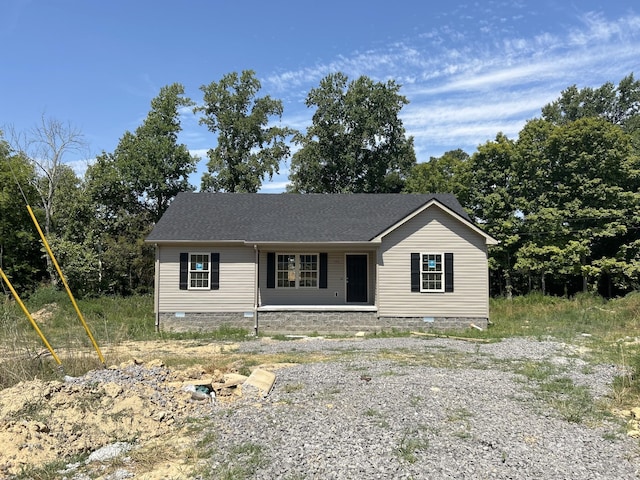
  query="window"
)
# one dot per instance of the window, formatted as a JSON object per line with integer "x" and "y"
{"x": 293, "y": 271}
{"x": 308, "y": 271}
{"x": 431, "y": 272}
{"x": 286, "y": 271}
{"x": 200, "y": 271}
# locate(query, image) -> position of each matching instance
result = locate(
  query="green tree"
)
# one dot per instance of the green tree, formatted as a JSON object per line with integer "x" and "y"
{"x": 73, "y": 213}
{"x": 494, "y": 205}
{"x": 132, "y": 187}
{"x": 248, "y": 148}
{"x": 446, "y": 174}
{"x": 618, "y": 105}
{"x": 148, "y": 167}
{"x": 20, "y": 256}
{"x": 579, "y": 201}
{"x": 356, "y": 142}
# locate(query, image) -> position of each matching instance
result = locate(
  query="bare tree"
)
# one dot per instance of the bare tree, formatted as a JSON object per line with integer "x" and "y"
{"x": 45, "y": 146}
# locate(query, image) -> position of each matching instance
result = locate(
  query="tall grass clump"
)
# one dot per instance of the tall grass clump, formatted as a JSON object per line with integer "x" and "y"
{"x": 111, "y": 320}
{"x": 542, "y": 316}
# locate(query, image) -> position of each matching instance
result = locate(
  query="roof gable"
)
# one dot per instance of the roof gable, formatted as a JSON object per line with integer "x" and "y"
{"x": 256, "y": 217}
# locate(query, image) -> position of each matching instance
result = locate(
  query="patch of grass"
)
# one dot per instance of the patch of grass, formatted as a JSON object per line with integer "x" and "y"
{"x": 35, "y": 410}
{"x": 536, "y": 371}
{"x": 378, "y": 417}
{"x": 540, "y": 316}
{"x": 49, "y": 471}
{"x": 245, "y": 460}
{"x": 411, "y": 444}
{"x": 574, "y": 403}
{"x": 432, "y": 357}
{"x": 292, "y": 387}
{"x": 460, "y": 418}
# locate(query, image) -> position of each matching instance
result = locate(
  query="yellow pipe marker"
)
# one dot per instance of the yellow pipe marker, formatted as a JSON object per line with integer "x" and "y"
{"x": 26, "y": 312}
{"x": 64, "y": 282}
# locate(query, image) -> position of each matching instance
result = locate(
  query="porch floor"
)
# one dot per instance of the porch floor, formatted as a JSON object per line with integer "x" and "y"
{"x": 318, "y": 308}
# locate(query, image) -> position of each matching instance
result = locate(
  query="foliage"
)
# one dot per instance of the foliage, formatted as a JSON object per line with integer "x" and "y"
{"x": 79, "y": 263}
{"x": 617, "y": 105}
{"x": 20, "y": 258}
{"x": 356, "y": 142}
{"x": 148, "y": 167}
{"x": 449, "y": 173}
{"x": 494, "y": 204}
{"x": 248, "y": 148}
{"x": 131, "y": 189}
{"x": 564, "y": 199}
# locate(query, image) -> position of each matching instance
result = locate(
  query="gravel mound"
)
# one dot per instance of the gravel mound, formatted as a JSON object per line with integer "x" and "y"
{"x": 426, "y": 409}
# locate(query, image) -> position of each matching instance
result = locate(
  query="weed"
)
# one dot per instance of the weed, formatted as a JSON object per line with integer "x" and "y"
{"x": 411, "y": 444}
{"x": 460, "y": 417}
{"x": 49, "y": 471}
{"x": 292, "y": 387}
{"x": 536, "y": 371}
{"x": 379, "y": 417}
{"x": 247, "y": 458}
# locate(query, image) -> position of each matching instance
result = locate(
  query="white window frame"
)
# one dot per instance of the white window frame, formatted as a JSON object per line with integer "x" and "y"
{"x": 428, "y": 271}
{"x": 295, "y": 273}
{"x": 195, "y": 270}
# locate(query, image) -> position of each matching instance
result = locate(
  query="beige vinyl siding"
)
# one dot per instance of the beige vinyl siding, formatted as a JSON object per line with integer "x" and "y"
{"x": 236, "y": 293}
{"x": 433, "y": 231}
{"x": 334, "y": 294}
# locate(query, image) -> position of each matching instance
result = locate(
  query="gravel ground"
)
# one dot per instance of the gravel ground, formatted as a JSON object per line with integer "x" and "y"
{"x": 429, "y": 409}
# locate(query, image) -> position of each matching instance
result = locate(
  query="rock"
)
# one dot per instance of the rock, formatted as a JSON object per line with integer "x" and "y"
{"x": 233, "y": 379}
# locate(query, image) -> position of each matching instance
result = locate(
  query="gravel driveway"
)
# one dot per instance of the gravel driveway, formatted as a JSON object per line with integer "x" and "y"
{"x": 427, "y": 408}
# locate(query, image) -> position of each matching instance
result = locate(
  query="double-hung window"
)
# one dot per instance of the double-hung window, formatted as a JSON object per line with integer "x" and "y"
{"x": 199, "y": 270}
{"x": 431, "y": 272}
{"x": 297, "y": 270}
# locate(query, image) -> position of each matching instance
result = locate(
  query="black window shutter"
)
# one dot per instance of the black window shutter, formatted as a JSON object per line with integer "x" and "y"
{"x": 415, "y": 272}
{"x": 184, "y": 271}
{"x": 323, "y": 270}
{"x": 271, "y": 270}
{"x": 448, "y": 272}
{"x": 215, "y": 271}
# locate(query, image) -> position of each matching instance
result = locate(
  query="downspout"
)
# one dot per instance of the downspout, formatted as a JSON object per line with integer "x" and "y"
{"x": 156, "y": 290}
{"x": 256, "y": 285}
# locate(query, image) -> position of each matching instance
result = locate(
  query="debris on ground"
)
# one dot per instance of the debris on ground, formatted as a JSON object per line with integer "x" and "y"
{"x": 105, "y": 411}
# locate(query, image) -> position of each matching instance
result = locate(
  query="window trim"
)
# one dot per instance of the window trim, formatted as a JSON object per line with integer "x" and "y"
{"x": 440, "y": 272}
{"x": 189, "y": 271}
{"x": 297, "y": 270}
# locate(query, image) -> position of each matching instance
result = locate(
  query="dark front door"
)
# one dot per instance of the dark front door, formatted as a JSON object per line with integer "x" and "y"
{"x": 357, "y": 278}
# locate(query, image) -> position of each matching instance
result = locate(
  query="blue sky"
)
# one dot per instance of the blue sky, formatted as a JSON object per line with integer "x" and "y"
{"x": 470, "y": 69}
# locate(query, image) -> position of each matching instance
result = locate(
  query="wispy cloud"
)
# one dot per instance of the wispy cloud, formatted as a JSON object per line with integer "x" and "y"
{"x": 463, "y": 93}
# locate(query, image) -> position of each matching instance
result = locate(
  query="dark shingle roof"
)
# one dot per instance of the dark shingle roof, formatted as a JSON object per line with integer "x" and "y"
{"x": 256, "y": 217}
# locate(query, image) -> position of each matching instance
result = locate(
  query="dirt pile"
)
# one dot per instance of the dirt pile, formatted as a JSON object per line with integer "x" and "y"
{"x": 136, "y": 402}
